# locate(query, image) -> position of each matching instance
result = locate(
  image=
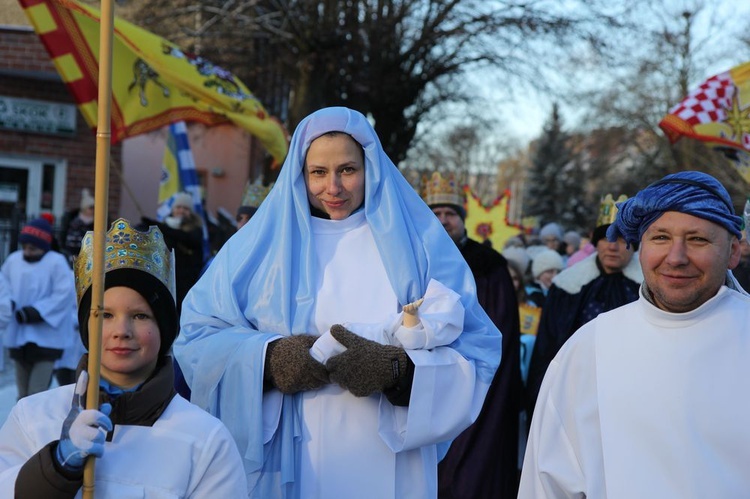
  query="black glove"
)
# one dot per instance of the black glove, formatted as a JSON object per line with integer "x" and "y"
{"x": 290, "y": 367}
{"x": 366, "y": 366}
{"x": 28, "y": 315}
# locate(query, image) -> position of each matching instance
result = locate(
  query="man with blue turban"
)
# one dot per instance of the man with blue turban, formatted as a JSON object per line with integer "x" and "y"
{"x": 647, "y": 400}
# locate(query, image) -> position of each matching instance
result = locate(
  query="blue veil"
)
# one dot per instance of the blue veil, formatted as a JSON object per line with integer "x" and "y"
{"x": 260, "y": 285}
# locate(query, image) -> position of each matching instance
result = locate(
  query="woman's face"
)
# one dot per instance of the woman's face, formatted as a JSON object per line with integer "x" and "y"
{"x": 130, "y": 337}
{"x": 335, "y": 175}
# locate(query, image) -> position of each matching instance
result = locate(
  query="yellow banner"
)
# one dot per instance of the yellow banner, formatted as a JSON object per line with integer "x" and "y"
{"x": 154, "y": 83}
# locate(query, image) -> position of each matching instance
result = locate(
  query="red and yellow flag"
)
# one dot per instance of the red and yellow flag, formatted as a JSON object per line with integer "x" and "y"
{"x": 489, "y": 222}
{"x": 154, "y": 83}
{"x": 717, "y": 112}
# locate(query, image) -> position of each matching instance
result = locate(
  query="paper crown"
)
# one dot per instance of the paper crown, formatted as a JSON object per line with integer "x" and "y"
{"x": 255, "y": 193}
{"x": 608, "y": 209}
{"x": 441, "y": 190}
{"x": 127, "y": 248}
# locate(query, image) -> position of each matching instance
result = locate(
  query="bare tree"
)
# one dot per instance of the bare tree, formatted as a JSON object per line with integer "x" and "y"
{"x": 656, "y": 72}
{"x": 397, "y": 61}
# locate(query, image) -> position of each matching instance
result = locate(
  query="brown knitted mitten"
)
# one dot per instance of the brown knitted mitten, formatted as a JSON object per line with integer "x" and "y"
{"x": 366, "y": 366}
{"x": 290, "y": 367}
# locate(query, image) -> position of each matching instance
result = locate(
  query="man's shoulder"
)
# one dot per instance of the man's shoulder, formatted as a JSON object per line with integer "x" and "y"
{"x": 481, "y": 251}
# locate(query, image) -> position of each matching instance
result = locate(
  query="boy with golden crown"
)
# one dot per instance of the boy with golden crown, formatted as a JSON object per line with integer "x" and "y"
{"x": 491, "y": 443}
{"x": 606, "y": 279}
{"x": 148, "y": 440}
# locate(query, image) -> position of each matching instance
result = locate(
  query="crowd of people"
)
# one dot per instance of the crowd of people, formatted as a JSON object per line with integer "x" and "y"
{"x": 352, "y": 340}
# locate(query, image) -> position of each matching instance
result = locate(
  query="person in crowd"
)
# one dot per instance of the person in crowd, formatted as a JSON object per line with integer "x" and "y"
{"x": 647, "y": 400}
{"x": 65, "y": 367}
{"x": 76, "y": 224}
{"x": 6, "y": 312}
{"x": 742, "y": 270}
{"x": 254, "y": 194}
{"x": 43, "y": 294}
{"x": 341, "y": 239}
{"x": 604, "y": 281}
{"x": 483, "y": 460}
{"x": 545, "y": 265}
{"x": 572, "y": 243}
{"x": 585, "y": 250}
{"x": 528, "y": 312}
{"x": 551, "y": 235}
{"x": 183, "y": 233}
{"x": 149, "y": 442}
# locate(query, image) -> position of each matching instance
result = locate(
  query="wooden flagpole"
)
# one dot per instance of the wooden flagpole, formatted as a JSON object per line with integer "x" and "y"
{"x": 101, "y": 208}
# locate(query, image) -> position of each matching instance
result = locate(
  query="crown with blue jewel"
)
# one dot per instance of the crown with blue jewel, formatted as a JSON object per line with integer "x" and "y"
{"x": 127, "y": 248}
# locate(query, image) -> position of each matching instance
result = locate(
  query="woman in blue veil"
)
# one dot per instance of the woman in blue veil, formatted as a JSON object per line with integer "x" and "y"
{"x": 291, "y": 271}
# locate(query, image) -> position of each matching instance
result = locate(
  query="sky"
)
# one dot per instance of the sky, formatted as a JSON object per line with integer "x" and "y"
{"x": 526, "y": 114}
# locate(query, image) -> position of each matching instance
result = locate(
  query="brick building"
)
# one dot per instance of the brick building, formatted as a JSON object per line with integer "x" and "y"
{"x": 48, "y": 151}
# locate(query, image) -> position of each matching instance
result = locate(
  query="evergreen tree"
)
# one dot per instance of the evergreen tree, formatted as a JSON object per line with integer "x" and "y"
{"x": 555, "y": 183}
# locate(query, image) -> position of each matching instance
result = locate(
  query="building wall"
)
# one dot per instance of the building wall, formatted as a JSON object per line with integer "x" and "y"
{"x": 27, "y": 72}
{"x": 224, "y": 155}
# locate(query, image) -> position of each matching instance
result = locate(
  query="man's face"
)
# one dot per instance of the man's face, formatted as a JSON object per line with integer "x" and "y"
{"x": 451, "y": 221}
{"x": 685, "y": 259}
{"x": 613, "y": 256}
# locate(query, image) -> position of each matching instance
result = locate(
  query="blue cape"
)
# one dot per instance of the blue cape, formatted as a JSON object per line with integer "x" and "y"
{"x": 261, "y": 285}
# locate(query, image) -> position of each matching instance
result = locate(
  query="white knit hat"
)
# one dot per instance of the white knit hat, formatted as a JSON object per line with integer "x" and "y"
{"x": 517, "y": 256}
{"x": 183, "y": 199}
{"x": 87, "y": 200}
{"x": 546, "y": 260}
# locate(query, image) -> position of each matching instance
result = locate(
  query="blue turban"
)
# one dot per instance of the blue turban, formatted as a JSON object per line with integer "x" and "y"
{"x": 691, "y": 192}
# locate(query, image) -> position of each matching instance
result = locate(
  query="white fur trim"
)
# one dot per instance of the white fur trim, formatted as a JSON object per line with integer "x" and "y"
{"x": 572, "y": 279}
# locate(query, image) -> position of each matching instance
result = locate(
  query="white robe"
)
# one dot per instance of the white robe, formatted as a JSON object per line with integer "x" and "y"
{"x": 186, "y": 453}
{"x": 396, "y": 454}
{"x": 648, "y": 404}
{"x": 49, "y": 286}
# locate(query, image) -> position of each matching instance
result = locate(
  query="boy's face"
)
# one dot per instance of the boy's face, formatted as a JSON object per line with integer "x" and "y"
{"x": 130, "y": 338}
{"x": 31, "y": 252}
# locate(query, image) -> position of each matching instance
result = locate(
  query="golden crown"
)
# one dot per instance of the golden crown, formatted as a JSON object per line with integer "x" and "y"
{"x": 442, "y": 190}
{"x": 608, "y": 209}
{"x": 126, "y": 248}
{"x": 255, "y": 193}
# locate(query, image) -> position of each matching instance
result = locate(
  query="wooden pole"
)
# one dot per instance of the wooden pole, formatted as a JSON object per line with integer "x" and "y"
{"x": 101, "y": 208}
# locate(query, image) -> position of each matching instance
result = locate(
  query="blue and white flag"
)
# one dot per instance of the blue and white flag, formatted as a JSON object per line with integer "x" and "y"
{"x": 178, "y": 174}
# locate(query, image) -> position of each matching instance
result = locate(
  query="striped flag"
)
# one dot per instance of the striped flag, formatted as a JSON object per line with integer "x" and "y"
{"x": 718, "y": 113}
{"x": 178, "y": 174}
{"x": 154, "y": 82}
